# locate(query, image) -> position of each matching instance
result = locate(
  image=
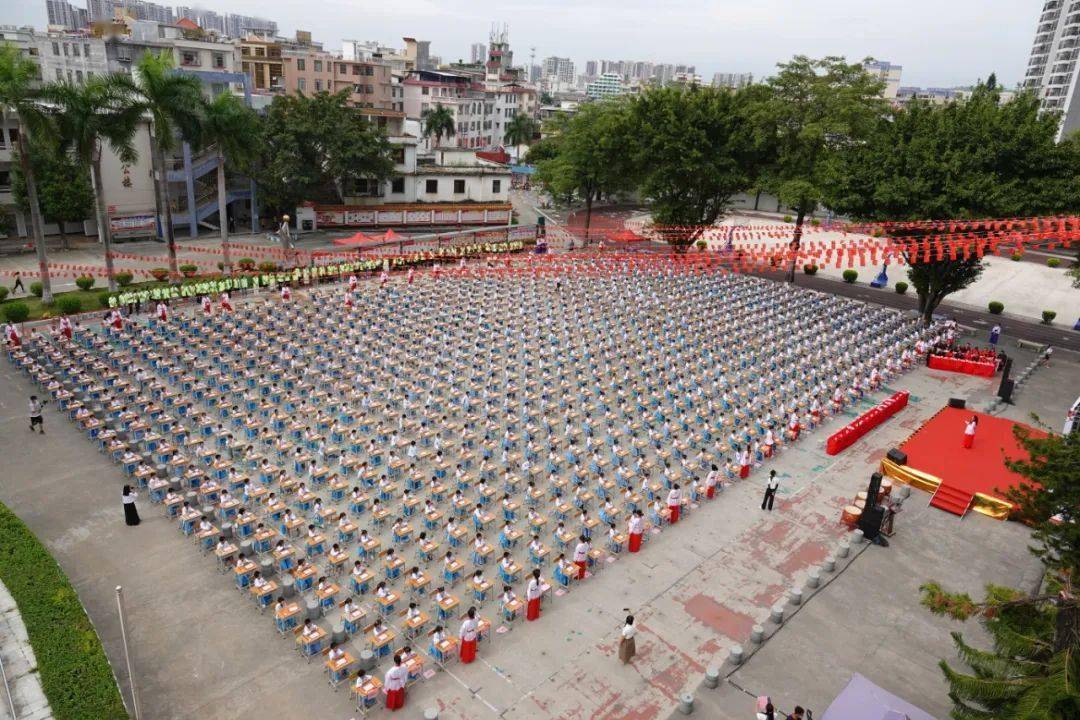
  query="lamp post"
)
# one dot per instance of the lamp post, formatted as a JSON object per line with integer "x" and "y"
{"x": 127, "y": 653}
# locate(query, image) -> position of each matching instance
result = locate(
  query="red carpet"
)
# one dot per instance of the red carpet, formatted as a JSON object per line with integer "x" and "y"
{"x": 936, "y": 449}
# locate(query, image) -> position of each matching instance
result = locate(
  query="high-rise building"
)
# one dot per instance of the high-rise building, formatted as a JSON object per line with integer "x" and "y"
{"x": 1052, "y": 72}
{"x": 560, "y": 69}
{"x": 105, "y": 10}
{"x": 63, "y": 14}
{"x": 732, "y": 80}
{"x": 478, "y": 53}
{"x": 605, "y": 86}
{"x": 535, "y": 72}
{"x": 591, "y": 68}
{"x": 887, "y": 73}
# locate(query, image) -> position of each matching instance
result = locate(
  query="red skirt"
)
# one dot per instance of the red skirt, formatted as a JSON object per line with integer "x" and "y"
{"x": 468, "y": 651}
{"x": 710, "y": 491}
{"x": 635, "y": 542}
{"x": 969, "y": 440}
{"x": 532, "y": 609}
{"x": 744, "y": 471}
{"x": 67, "y": 332}
{"x": 581, "y": 565}
{"x": 674, "y": 513}
{"x": 767, "y": 451}
{"x": 395, "y": 699}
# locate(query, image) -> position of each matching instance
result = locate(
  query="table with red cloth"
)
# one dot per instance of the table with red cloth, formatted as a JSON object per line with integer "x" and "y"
{"x": 847, "y": 435}
{"x": 969, "y": 367}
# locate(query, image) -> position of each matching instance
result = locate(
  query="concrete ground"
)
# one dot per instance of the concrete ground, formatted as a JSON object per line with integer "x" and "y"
{"x": 199, "y": 651}
{"x": 21, "y": 698}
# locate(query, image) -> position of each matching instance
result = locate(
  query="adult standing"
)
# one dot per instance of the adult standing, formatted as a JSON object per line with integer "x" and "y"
{"x": 581, "y": 556}
{"x": 969, "y": 431}
{"x": 533, "y": 592}
{"x": 627, "y": 646}
{"x": 770, "y": 491}
{"x": 131, "y": 513}
{"x": 636, "y": 529}
{"x": 674, "y": 502}
{"x": 470, "y": 631}
{"x": 18, "y": 284}
{"x": 995, "y": 335}
{"x": 394, "y": 685}
{"x": 36, "y": 420}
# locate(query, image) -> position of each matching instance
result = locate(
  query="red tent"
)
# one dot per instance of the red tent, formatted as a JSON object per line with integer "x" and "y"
{"x": 391, "y": 236}
{"x": 626, "y": 235}
{"x": 357, "y": 240}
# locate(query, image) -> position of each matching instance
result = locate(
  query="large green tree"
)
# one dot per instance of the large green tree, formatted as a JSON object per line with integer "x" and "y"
{"x": 521, "y": 130}
{"x": 438, "y": 122}
{"x": 233, "y": 129}
{"x": 974, "y": 158}
{"x": 591, "y": 155}
{"x": 174, "y": 103}
{"x": 316, "y": 148}
{"x": 815, "y": 109}
{"x": 694, "y": 148}
{"x": 104, "y": 111}
{"x": 63, "y": 185}
{"x": 20, "y": 99}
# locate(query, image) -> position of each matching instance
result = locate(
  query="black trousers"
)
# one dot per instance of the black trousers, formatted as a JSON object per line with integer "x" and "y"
{"x": 767, "y": 501}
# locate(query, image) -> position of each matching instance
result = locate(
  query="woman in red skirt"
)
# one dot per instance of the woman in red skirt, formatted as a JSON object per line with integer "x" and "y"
{"x": 394, "y": 685}
{"x": 744, "y": 464}
{"x": 674, "y": 502}
{"x": 969, "y": 431}
{"x": 711, "y": 481}
{"x": 581, "y": 556}
{"x": 533, "y": 593}
{"x": 470, "y": 631}
{"x": 635, "y": 531}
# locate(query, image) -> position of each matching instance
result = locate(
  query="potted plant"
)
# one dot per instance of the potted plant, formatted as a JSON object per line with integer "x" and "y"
{"x": 809, "y": 269}
{"x": 160, "y": 274}
{"x": 850, "y": 276}
{"x": 1016, "y": 256}
{"x": 188, "y": 270}
{"x": 995, "y": 307}
{"x": 701, "y": 245}
{"x": 1053, "y": 262}
{"x": 901, "y": 287}
{"x": 246, "y": 263}
{"x": 1048, "y": 316}
{"x": 268, "y": 267}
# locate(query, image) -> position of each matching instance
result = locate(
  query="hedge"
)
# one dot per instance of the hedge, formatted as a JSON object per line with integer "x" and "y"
{"x": 74, "y": 671}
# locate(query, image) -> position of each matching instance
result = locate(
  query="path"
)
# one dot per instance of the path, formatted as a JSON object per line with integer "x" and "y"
{"x": 20, "y": 667}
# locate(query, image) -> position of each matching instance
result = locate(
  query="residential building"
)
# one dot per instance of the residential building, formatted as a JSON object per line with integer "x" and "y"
{"x": 942, "y": 96}
{"x": 62, "y": 56}
{"x": 261, "y": 60}
{"x": 609, "y": 84}
{"x": 477, "y": 53}
{"x": 535, "y": 72}
{"x": 108, "y": 10}
{"x": 732, "y": 80}
{"x": 65, "y": 15}
{"x": 1052, "y": 71}
{"x": 888, "y": 73}
{"x": 560, "y": 69}
{"x": 591, "y": 67}
{"x": 307, "y": 70}
{"x": 417, "y": 54}
{"x": 371, "y": 50}
{"x": 500, "y": 60}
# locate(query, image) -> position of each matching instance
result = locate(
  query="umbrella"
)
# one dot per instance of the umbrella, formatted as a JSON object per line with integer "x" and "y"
{"x": 863, "y": 700}
{"x": 357, "y": 240}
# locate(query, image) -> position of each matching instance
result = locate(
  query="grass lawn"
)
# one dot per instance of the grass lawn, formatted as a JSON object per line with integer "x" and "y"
{"x": 88, "y": 299}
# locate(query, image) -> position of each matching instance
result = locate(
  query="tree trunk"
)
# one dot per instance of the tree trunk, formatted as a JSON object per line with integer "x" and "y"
{"x": 928, "y": 303}
{"x": 102, "y": 214}
{"x": 1067, "y": 631}
{"x": 65, "y": 244}
{"x": 35, "y": 217}
{"x": 757, "y": 199}
{"x": 796, "y": 243}
{"x": 223, "y": 212}
{"x": 166, "y": 206}
{"x": 588, "y": 215}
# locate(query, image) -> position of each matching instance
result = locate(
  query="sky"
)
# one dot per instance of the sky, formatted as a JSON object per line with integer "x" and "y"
{"x": 939, "y": 43}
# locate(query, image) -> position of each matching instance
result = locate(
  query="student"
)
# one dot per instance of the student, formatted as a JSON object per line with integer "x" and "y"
{"x": 770, "y": 491}
{"x": 636, "y": 530}
{"x": 533, "y": 593}
{"x": 581, "y": 556}
{"x": 36, "y": 420}
{"x": 394, "y": 685}
{"x": 969, "y": 431}
{"x": 674, "y": 500}
{"x": 470, "y": 631}
{"x": 627, "y": 647}
{"x": 131, "y": 514}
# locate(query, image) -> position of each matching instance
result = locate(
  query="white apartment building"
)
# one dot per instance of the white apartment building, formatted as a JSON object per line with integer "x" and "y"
{"x": 887, "y": 73}
{"x": 1052, "y": 71}
{"x": 74, "y": 57}
{"x": 560, "y": 69}
{"x": 607, "y": 85}
{"x": 732, "y": 80}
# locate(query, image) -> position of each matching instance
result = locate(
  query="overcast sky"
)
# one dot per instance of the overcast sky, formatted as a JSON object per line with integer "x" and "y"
{"x": 938, "y": 42}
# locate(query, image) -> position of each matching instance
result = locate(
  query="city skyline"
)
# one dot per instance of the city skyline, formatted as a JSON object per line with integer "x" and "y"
{"x": 966, "y": 41}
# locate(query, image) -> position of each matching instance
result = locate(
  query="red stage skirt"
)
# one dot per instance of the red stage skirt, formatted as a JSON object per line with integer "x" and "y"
{"x": 468, "y": 651}
{"x": 767, "y": 451}
{"x": 395, "y": 699}
{"x": 532, "y": 610}
{"x": 709, "y": 492}
{"x": 67, "y": 332}
{"x": 744, "y": 471}
{"x": 969, "y": 440}
{"x": 674, "y": 513}
{"x": 581, "y": 565}
{"x": 635, "y": 542}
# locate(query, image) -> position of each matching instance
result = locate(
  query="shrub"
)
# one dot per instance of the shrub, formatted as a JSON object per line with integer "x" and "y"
{"x": 36, "y": 289}
{"x": 246, "y": 263}
{"x": 68, "y": 304}
{"x": 268, "y": 266}
{"x": 1016, "y": 256}
{"x": 995, "y": 307}
{"x": 878, "y": 232}
{"x": 788, "y": 218}
{"x": 103, "y": 298}
{"x": 810, "y": 269}
{"x": 188, "y": 269}
{"x": 701, "y": 244}
{"x": 850, "y": 275}
{"x": 16, "y": 312}
{"x": 123, "y": 279}
{"x": 221, "y": 266}
{"x": 1048, "y": 316}
{"x": 74, "y": 671}
{"x": 84, "y": 282}
{"x": 901, "y": 287}
{"x": 815, "y": 222}
{"x": 160, "y": 274}
{"x": 1052, "y": 262}
{"x": 3, "y": 293}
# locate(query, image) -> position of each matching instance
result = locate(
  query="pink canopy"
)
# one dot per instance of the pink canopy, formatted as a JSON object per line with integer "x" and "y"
{"x": 357, "y": 240}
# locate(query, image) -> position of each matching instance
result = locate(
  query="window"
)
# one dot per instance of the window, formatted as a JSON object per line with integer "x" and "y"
{"x": 86, "y": 49}
{"x": 5, "y": 179}
{"x": 355, "y": 69}
{"x": 318, "y": 66}
{"x": 423, "y": 90}
{"x": 56, "y": 48}
{"x": 89, "y": 74}
{"x": 496, "y": 186}
{"x": 78, "y": 76}
{"x": 459, "y": 186}
{"x": 75, "y": 50}
{"x": 431, "y": 187}
{"x": 59, "y": 75}
{"x": 189, "y": 59}
{"x": 368, "y": 70}
{"x": 70, "y": 76}
{"x": 301, "y": 84}
{"x": 300, "y": 64}
{"x": 260, "y": 52}
{"x": 397, "y": 154}
{"x": 397, "y": 185}
{"x": 65, "y": 47}
{"x": 318, "y": 85}
{"x": 219, "y": 60}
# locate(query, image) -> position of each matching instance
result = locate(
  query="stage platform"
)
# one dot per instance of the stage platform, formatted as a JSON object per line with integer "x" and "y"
{"x": 962, "y": 479}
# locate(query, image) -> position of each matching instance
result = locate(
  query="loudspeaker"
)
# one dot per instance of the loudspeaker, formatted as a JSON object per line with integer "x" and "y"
{"x": 897, "y": 455}
{"x": 957, "y": 403}
{"x": 870, "y": 521}
{"x": 1006, "y": 390}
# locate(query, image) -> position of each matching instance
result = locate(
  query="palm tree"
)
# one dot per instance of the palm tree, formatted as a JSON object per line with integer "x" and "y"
{"x": 105, "y": 110}
{"x": 438, "y": 121}
{"x": 20, "y": 98}
{"x": 521, "y": 130}
{"x": 174, "y": 101}
{"x": 233, "y": 128}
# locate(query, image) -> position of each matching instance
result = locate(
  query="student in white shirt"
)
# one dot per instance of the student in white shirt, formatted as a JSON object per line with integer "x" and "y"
{"x": 533, "y": 592}
{"x": 394, "y": 685}
{"x": 470, "y": 632}
{"x": 627, "y": 647}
